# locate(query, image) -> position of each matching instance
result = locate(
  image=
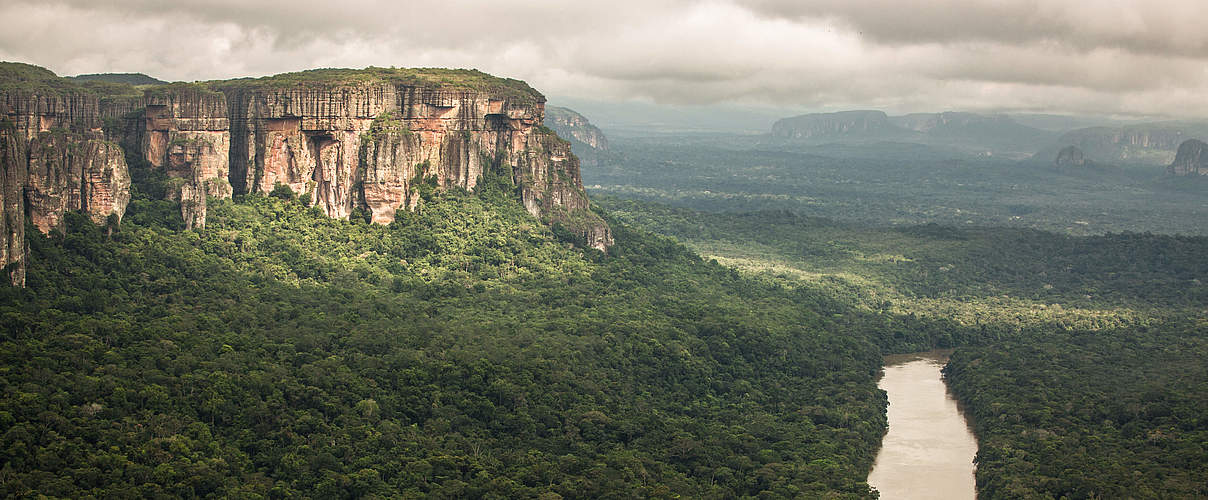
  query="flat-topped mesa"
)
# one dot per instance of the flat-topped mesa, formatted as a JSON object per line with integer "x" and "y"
{"x": 349, "y": 139}
{"x": 816, "y": 125}
{"x": 1191, "y": 159}
{"x": 365, "y": 139}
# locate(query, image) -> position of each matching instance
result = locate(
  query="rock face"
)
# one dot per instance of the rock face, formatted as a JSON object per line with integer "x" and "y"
{"x": 821, "y": 125}
{"x": 586, "y": 140}
{"x": 70, "y": 172}
{"x": 347, "y": 139}
{"x": 369, "y": 143}
{"x": 1191, "y": 159}
{"x": 13, "y": 176}
{"x": 981, "y": 134}
{"x": 1149, "y": 144}
{"x": 55, "y": 157}
{"x": 573, "y": 126}
{"x": 1070, "y": 156}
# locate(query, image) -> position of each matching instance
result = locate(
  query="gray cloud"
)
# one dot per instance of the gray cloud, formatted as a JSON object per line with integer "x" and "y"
{"x": 1112, "y": 56}
{"x": 1171, "y": 27}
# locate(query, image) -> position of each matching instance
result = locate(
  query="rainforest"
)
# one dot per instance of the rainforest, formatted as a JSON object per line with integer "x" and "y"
{"x": 629, "y": 250}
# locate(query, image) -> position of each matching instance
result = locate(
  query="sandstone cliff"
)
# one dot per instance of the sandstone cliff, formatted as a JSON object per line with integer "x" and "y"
{"x": 13, "y": 176}
{"x": 1191, "y": 159}
{"x": 55, "y": 157}
{"x": 348, "y": 139}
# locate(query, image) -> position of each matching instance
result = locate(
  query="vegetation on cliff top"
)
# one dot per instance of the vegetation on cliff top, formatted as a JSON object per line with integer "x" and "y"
{"x": 30, "y": 78}
{"x": 467, "y": 79}
{"x": 21, "y": 77}
{"x": 123, "y": 78}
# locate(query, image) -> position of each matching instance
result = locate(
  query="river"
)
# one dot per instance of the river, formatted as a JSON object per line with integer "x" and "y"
{"x": 929, "y": 449}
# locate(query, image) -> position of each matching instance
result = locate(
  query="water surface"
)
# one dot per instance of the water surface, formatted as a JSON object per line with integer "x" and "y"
{"x": 928, "y": 452}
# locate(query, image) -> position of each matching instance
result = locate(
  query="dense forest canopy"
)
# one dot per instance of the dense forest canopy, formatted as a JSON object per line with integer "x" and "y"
{"x": 466, "y": 351}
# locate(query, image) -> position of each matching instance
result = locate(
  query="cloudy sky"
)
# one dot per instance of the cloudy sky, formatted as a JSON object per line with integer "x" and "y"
{"x": 1132, "y": 57}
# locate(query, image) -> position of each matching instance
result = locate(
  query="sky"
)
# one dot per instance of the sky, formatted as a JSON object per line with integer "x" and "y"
{"x": 1105, "y": 57}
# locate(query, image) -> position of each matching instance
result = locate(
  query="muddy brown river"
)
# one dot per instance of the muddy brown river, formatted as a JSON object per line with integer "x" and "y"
{"x": 928, "y": 451}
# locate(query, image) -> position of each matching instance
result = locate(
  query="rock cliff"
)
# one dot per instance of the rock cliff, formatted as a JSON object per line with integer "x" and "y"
{"x": 1191, "y": 159}
{"x": 347, "y": 139}
{"x": 981, "y": 134}
{"x": 1148, "y": 144}
{"x": 573, "y": 127}
{"x": 586, "y": 140}
{"x": 55, "y": 157}
{"x": 1070, "y": 156}
{"x": 822, "y": 125}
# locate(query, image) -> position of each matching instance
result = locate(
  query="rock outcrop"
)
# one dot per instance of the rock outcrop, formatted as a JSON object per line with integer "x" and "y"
{"x": 586, "y": 140}
{"x": 1146, "y": 144}
{"x": 71, "y": 172}
{"x": 573, "y": 127}
{"x": 1191, "y": 159}
{"x": 13, "y": 177}
{"x": 346, "y": 139}
{"x": 1070, "y": 156}
{"x": 980, "y": 134}
{"x": 55, "y": 157}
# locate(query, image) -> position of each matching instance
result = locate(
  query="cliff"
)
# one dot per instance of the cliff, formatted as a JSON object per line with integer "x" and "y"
{"x": 586, "y": 140}
{"x": 347, "y": 139}
{"x": 1070, "y": 156}
{"x": 1147, "y": 144}
{"x": 55, "y": 157}
{"x": 1191, "y": 159}
{"x": 575, "y": 127}
{"x": 844, "y": 123}
{"x": 970, "y": 132}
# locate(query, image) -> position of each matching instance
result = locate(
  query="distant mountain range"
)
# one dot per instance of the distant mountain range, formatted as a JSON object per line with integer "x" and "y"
{"x": 975, "y": 132}
{"x": 1142, "y": 144}
{"x": 997, "y": 134}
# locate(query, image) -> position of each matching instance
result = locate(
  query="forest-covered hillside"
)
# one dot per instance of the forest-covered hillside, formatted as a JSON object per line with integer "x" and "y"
{"x": 463, "y": 351}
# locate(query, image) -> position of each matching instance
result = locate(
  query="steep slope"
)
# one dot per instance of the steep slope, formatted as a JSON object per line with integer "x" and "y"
{"x": 348, "y": 141}
{"x": 462, "y": 351}
{"x": 858, "y": 124}
{"x": 1070, "y": 156}
{"x": 971, "y": 132}
{"x": 993, "y": 130}
{"x": 1143, "y": 144}
{"x": 586, "y": 140}
{"x": 575, "y": 127}
{"x": 56, "y": 157}
{"x": 1191, "y": 159}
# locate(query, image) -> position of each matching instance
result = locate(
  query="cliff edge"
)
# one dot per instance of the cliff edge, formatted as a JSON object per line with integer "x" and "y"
{"x": 347, "y": 139}
{"x": 1191, "y": 159}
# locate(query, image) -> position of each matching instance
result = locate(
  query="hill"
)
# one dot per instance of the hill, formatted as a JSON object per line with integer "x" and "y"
{"x": 123, "y": 78}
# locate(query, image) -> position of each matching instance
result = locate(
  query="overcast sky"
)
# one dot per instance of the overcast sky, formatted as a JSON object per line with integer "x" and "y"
{"x": 1147, "y": 57}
